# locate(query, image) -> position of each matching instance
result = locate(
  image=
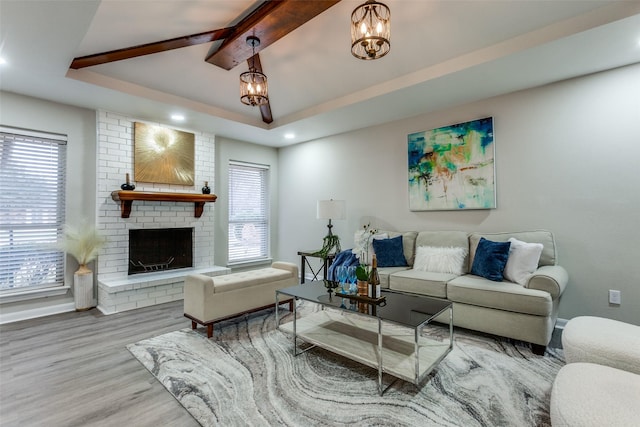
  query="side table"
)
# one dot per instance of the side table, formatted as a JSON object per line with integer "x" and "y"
{"x": 304, "y": 262}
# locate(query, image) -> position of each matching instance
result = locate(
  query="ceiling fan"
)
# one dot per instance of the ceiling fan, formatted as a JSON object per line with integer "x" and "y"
{"x": 269, "y": 21}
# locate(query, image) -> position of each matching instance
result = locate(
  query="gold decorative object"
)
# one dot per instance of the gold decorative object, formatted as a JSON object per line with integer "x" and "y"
{"x": 163, "y": 155}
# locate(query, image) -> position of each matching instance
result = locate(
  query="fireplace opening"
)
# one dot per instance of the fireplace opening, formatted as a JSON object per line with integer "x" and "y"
{"x": 160, "y": 249}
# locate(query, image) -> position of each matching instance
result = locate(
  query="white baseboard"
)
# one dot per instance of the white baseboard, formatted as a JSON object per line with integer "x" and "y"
{"x": 36, "y": 312}
{"x": 561, "y": 323}
{"x": 105, "y": 311}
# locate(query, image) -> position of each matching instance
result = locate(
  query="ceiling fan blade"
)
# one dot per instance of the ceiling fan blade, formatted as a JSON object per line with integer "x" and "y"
{"x": 265, "y": 109}
{"x": 270, "y": 21}
{"x": 149, "y": 48}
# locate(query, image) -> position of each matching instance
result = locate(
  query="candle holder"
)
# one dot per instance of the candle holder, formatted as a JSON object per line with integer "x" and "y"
{"x": 127, "y": 185}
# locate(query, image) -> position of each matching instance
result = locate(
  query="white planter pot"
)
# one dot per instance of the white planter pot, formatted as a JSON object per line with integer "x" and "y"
{"x": 83, "y": 288}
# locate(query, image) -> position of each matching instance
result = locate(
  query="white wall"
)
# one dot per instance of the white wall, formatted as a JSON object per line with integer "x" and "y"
{"x": 230, "y": 149}
{"x": 566, "y": 160}
{"x": 80, "y": 127}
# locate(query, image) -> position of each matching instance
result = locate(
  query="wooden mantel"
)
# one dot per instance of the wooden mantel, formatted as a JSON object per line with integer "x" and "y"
{"x": 126, "y": 199}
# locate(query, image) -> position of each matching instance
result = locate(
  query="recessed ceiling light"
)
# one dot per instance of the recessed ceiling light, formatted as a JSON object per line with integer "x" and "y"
{"x": 2, "y": 61}
{"x": 289, "y": 135}
{"x": 177, "y": 117}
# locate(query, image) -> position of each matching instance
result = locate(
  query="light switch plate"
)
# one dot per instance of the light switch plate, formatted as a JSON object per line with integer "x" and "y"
{"x": 614, "y": 297}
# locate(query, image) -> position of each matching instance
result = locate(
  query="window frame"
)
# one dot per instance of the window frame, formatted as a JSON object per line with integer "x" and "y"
{"x": 33, "y": 178}
{"x": 264, "y": 218}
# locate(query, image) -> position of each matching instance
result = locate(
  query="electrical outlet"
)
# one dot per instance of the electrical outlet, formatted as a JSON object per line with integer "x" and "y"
{"x": 614, "y": 297}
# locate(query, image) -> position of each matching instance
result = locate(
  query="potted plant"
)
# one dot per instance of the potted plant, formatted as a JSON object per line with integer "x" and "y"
{"x": 331, "y": 243}
{"x": 361, "y": 249}
{"x": 83, "y": 243}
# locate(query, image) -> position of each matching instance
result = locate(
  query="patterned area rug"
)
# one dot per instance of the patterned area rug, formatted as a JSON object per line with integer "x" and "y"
{"x": 247, "y": 376}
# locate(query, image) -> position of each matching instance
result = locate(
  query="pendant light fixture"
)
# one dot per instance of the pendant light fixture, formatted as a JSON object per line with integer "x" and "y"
{"x": 253, "y": 84}
{"x": 370, "y": 30}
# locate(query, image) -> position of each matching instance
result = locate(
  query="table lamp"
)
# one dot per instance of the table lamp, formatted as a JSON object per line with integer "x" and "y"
{"x": 331, "y": 209}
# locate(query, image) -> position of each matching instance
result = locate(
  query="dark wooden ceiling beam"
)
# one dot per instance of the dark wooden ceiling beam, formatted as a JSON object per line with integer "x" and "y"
{"x": 265, "y": 109}
{"x": 270, "y": 21}
{"x": 149, "y": 48}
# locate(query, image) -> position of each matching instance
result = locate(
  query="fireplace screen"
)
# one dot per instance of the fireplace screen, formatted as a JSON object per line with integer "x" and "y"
{"x": 160, "y": 249}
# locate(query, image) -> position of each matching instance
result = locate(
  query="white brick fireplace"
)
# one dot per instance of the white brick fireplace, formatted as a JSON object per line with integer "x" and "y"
{"x": 117, "y": 291}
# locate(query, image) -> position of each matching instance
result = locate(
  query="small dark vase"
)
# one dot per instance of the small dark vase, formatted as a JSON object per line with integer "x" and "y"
{"x": 206, "y": 189}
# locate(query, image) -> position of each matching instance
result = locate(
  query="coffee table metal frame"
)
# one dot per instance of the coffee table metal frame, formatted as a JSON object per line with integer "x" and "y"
{"x": 411, "y": 311}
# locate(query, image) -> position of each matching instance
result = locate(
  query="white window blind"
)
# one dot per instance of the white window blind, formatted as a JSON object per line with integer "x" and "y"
{"x": 248, "y": 212}
{"x": 32, "y": 201}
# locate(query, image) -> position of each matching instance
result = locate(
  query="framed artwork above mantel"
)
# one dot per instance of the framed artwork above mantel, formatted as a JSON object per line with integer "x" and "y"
{"x": 163, "y": 155}
{"x": 453, "y": 167}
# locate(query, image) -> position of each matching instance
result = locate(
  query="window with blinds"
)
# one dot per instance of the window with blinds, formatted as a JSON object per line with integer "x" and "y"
{"x": 32, "y": 202}
{"x": 248, "y": 212}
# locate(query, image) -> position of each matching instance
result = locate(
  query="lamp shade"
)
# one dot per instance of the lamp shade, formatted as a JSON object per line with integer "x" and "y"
{"x": 331, "y": 209}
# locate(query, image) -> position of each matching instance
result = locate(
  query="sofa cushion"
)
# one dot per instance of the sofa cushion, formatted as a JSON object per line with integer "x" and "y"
{"x": 490, "y": 259}
{"x": 440, "y": 260}
{"x": 523, "y": 261}
{"x": 389, "y": 252}
{"x": 245, "y": 279}
{"x": 386, "y": 272}
{"x": 548, "y": 256}
{"x": 475, "y": 290}
{"x": 421, "y": 282}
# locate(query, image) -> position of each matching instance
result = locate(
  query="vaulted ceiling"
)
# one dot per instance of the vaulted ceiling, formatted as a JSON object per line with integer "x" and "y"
{"x": 443, "y": 53}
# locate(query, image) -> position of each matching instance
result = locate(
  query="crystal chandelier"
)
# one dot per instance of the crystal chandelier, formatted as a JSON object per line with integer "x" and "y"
{"x": 253, "y": 84}
{"x": 370, "y": 30}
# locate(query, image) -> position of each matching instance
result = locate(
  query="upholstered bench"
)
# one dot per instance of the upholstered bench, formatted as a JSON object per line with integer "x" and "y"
{"x": 602, "y": 341}
{"x": 208, "y": 300}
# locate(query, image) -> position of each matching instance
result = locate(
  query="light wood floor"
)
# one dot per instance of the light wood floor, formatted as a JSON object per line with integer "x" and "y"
{"x": 73, "y": 369}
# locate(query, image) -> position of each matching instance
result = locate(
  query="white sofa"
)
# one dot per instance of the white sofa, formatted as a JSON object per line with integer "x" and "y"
{"x": 524, "y": 312}
{"x": 208, "y": 300}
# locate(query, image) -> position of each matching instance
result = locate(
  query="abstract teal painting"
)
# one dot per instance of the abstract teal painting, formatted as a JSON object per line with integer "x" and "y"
{"x": 452, "y": 167}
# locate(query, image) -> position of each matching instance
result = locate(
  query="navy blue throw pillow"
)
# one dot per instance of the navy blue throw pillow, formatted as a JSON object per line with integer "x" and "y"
{"x": 490, "y": 259}
{"x": 389, "y": 252}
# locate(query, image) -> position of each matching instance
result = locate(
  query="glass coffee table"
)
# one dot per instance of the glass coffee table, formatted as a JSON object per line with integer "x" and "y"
{"x": 387, "y": 336}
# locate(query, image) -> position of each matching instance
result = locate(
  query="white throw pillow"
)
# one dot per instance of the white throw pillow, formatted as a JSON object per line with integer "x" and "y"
{"x": 523, "y": 261}
{"x": 440, "y": 259}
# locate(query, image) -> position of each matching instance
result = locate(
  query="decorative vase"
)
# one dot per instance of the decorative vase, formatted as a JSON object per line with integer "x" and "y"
{"x": 206, "y": 189}
{"x": 83, "y": 288}
{"x": 363, "y": 288}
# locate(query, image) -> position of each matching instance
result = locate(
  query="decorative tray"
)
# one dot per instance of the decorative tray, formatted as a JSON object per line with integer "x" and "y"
{"x": 362, "y": 298}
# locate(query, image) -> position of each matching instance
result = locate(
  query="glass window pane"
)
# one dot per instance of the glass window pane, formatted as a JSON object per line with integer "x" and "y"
{"x": 248, "y": 212}
{"x": 32, "y": 200}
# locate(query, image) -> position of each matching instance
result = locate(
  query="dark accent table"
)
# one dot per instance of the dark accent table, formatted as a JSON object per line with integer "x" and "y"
{"x": 324, "y": 268}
